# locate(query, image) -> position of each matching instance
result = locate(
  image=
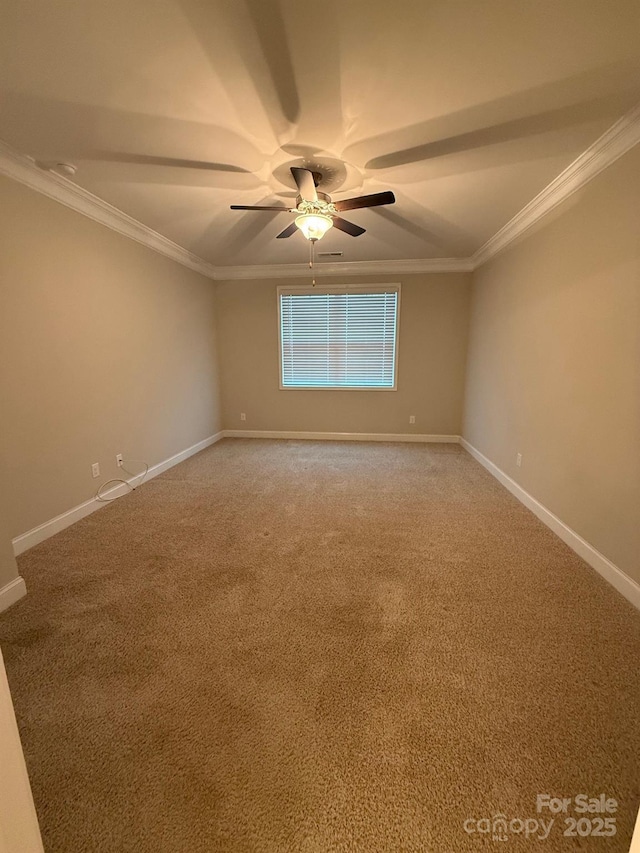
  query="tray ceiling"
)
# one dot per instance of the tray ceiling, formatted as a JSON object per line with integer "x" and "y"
{"x": 174, "y": 109}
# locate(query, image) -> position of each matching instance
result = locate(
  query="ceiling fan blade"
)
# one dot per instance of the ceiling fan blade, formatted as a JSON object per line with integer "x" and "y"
{"x": 259, "y": 207}
{"x": 305, "y": 183}
{"x": 347, "y": 227}
{"x": 365, "y": 201}
{"x": 288, "y": 231}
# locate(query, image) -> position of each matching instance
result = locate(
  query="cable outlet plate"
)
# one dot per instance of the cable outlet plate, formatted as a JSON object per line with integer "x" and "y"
{"x": 119, "y": 460}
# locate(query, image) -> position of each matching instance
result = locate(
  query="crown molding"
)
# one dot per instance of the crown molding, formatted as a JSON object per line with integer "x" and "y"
{"x": 613, "y": 143}
{"x": 25, "y": 170}
{"x": 345, "y": 268}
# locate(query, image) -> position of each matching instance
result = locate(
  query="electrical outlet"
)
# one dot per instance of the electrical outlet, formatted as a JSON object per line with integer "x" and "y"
{"x": 95, "y": 470}
{"x": 518, "y": 460}
{"x": 119, "y": 460}
{"x": 243, "y": 416}
{"x": 412, "y": 419}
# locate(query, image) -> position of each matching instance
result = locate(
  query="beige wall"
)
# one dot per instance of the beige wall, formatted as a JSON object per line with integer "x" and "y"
{"x": 432, "y": 346}
{"x": 8, "y": 566}
{"x": 554, "y": 363}
{"x": 105, "y": 347}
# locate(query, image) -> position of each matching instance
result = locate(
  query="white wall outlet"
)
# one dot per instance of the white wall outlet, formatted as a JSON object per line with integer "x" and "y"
{"x": 119, "y": 460}
{"x": 412, "y": 419}
{"x": 243, "y": 416}
{"x": 519, "y": 460}
{"x": 95, "y": 470}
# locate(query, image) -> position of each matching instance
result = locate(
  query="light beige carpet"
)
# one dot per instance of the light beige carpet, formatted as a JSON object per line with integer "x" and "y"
{"x": 296, "y": 646}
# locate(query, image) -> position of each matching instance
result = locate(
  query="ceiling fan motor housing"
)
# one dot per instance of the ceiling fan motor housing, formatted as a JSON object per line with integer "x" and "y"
{"x": 321, "y": 197}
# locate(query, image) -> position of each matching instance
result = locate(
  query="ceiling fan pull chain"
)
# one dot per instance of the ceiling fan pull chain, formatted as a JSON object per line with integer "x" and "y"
{"x": 312, "y": 252}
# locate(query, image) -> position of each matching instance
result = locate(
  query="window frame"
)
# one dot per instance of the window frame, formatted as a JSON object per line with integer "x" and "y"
{"x": 319, "y": 289}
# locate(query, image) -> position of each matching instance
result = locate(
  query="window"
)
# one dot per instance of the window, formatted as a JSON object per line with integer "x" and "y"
{"x": 338, "y": 337}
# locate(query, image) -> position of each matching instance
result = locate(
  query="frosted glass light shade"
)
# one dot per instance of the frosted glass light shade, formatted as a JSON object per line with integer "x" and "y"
{"x": 314, "y": 225}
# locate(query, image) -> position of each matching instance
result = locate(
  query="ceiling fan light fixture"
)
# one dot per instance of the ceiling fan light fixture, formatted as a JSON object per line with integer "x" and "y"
{"x": 314, "y": 225}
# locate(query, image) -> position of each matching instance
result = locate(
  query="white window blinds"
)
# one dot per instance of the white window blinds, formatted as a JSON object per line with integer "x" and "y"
{"x": 334, "y": 339}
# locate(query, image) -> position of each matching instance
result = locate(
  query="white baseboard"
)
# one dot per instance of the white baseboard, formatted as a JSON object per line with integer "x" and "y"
{"x": 609, "y": 571}
{"x": 12, "y": 592}
{"x": 341, "y": 436}
{"x": 49, "y": 528}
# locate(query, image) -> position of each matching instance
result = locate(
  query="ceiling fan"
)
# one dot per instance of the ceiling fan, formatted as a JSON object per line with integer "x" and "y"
{"x": 316, "y": 213}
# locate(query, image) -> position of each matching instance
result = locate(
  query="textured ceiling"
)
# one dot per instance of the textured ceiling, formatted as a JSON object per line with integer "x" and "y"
{"x": 174, "y": 109}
